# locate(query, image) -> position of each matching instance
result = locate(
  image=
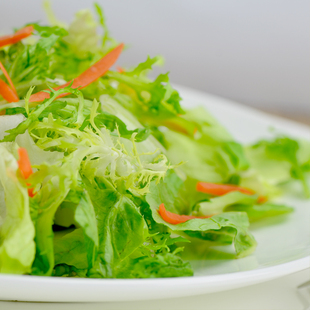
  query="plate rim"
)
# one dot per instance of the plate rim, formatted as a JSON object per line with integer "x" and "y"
{"x": 288, "y": 267}
{"x": 47, "y": 289}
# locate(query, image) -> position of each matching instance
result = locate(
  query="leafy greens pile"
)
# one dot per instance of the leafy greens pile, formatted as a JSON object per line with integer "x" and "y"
{"x": 105, "y": 158}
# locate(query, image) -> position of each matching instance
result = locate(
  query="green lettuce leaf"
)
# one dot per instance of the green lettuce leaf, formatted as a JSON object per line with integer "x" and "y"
{"x": 56, "y": 182}
{"x": 71, "y": 248}
{"x": 281, "y": 160}
{"x": 77, "y": 210}
{"x": 257, "y": 212}
{"x": 236, "y": 201}
{"x": 64, "y": 270}
{"x": 17, "y": 247}
{"x": 218, "y": 204}
{"x": 209, "y": 152}
{"x": 150, "y": 101}
{"x": 121, "y": 228}
{"x": 35, "y": 114}
{"x": 160, "y": 266}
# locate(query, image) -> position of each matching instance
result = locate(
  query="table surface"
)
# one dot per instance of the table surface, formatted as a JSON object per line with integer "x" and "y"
{"x": 279, "y": 294}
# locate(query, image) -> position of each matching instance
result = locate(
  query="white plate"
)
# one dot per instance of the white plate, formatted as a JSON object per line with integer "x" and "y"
{"x": 283, "y": 246}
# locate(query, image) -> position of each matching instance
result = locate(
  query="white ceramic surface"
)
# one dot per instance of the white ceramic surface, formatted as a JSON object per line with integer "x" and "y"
{"x": 283, "y": 245}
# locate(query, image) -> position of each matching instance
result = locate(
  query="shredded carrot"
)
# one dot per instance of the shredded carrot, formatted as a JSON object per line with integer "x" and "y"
{"x": 120, "y": 69}
{"x": 262, "y": 199}
{"x": 25, "y": 167}
{"x": 174, "y": 218}
{"x": 7, "y": 93}
{"x": 87, "y": 77}
{"x": 17, "y": 36}
{"x": 176, "y": 126}
{"x": 24, "y": 163}
{"x": 8, "y": 77}
{"x": 180, "y": 125}
{"x": 30, "y": 192}
{"x": 222, "y": 189}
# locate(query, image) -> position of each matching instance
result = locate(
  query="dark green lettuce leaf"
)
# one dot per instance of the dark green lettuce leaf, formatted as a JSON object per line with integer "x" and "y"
{"x": 35, "y": 113}
{"x": 33, "y": 61}
{"x": 64, "y": 270}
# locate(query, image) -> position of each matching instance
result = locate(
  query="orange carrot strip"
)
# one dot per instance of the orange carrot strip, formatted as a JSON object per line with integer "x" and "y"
{"x": 7, "y": 93}
{"x": 25, "y": 167}
{"x": 120, "y": 69}
{"x": 222, "y": 189}
{"x": 24, "y": 163}
{"x": 17, "y": 36}
{"x": 8, "y": 78}
{"x": 87, "y": 77}
{"x": 175, "y": 126}
{"x": 30, "y": 191}
{"x": 262, "y": 199}
{"x": 173, "y": 218}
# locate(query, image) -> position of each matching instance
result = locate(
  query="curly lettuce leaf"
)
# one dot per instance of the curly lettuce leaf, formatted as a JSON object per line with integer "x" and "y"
{"x": 31, "y": 63}
{"x": 106, "y": 154}
{"x": 35, "y": 114}
{"x": 150, "y": 101}
{"x": 57, "y": 53}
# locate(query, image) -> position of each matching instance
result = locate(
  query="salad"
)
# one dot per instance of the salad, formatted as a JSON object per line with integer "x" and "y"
{"x": 103, "y": 174}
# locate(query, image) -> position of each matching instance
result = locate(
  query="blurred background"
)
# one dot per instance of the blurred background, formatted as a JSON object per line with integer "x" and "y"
{"x": 253, "y": 52}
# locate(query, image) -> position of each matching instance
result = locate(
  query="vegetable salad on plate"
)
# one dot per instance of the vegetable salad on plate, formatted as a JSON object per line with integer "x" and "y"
{"x": 103, "y": 174}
